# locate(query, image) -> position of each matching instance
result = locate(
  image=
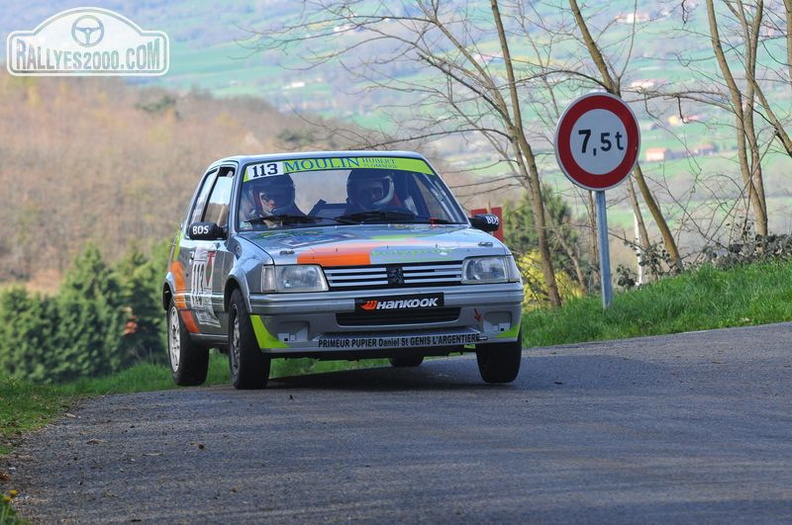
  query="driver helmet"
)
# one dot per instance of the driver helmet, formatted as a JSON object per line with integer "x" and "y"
{"x": 370, "y": 189}
{"x": 272, "y": 194}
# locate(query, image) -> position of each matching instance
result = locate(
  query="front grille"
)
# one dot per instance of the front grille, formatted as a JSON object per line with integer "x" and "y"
{"x": 394, "y": 275}
{"x": 434, "y": 315}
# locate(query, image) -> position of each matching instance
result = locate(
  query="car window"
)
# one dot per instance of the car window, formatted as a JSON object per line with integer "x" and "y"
{"x": 203, "y": 196}
{"x": 342, "y": 196}
{"x": 435, "y": 195}
{"x": 219, "y": 198}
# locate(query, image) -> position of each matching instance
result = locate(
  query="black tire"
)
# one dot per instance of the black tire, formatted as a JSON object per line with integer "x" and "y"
{"x": 499, "y": 362}
{"x": 407, "y": 361}
{"x": 249, "y": 367}
{"x": 189, "y": 361}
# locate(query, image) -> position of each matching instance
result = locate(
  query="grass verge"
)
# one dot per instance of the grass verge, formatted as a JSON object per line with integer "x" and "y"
{"x": 701, "y": 299}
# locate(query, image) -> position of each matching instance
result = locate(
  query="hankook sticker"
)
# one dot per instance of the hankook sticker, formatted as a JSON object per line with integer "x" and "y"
{"x": 410, "y": 302}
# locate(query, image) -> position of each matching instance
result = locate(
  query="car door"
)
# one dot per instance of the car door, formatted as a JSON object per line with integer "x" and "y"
{"x": 206, "y": 260}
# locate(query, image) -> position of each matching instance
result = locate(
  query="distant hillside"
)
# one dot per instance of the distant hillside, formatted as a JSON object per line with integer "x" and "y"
{"x": 209, "y": 51}
{"x": 101, "y": 160}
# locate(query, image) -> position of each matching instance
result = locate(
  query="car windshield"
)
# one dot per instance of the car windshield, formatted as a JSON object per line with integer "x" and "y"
{"x": 345, "y": 191}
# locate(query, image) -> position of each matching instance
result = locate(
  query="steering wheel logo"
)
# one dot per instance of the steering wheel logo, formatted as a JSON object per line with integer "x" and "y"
{"x": 87, "y": 31}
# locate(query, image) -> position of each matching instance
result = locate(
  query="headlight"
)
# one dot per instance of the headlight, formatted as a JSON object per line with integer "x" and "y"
{"x": 294, "y": 278}
{"x": 485, "y": 270}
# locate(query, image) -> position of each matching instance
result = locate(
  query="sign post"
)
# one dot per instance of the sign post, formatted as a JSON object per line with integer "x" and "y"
{"x": 597, "y": 142}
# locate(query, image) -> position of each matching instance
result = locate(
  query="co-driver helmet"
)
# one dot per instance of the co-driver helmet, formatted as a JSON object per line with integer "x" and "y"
{"x": 369, "y": 189}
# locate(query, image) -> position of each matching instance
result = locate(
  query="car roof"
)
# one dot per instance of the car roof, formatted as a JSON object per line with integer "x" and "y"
{"x": 264, "y": 157}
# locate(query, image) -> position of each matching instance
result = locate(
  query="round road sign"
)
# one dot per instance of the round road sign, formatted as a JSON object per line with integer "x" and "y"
{"x": 597, "y": 141}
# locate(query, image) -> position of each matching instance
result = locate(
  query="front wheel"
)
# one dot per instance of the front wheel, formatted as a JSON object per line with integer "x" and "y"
{"x": 500, "y": 362}
{"x": 249, "y": 367}
{"x": 189, "y": 361}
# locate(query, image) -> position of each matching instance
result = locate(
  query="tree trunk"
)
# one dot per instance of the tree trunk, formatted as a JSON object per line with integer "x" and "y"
{"x": 742, "y": 107}
{"x": 788, "y": 17}
{"x": 527, "y": 163}
{"x": 612, "y": 85}
{"x": 643, "y": 234}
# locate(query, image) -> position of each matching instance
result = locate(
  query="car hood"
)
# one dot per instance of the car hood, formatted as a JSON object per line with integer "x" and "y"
{"x": 375, "y": 244}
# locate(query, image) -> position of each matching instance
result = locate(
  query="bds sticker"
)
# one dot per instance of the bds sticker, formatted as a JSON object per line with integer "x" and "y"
{"x": 409, "y": 302}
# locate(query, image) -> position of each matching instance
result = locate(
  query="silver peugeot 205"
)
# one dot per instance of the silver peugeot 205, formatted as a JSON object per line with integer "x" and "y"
{"x": 336, "y": 255}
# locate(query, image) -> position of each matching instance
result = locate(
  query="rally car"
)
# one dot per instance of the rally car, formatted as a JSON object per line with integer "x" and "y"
{"x": 336, "y": 255}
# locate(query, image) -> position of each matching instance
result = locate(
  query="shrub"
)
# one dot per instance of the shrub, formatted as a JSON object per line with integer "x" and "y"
{"x": 103, "y": 320}
{"x": 28, "y": 330}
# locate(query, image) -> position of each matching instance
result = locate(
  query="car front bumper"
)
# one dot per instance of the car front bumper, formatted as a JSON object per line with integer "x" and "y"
{"x": 329, "y": 322}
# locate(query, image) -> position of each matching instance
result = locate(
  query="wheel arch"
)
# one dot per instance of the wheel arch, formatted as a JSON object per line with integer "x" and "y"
{"x": 231, "y": 285}
{"x": 167, "y": 295}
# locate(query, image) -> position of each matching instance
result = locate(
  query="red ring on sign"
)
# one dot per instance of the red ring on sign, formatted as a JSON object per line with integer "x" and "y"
{"x": 564, "y": 155}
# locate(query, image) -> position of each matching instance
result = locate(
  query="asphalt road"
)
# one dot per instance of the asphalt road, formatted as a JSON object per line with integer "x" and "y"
{"x": 691, "y": 428}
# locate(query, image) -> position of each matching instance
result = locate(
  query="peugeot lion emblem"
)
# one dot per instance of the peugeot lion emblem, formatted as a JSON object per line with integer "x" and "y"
{"x": 395, "y": 275}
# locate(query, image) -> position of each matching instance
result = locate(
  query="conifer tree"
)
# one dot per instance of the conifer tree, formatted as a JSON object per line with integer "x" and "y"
{"x": 28, "y": 329}
{"x": 140, "y": 279}
{"x": 91, "y": 319}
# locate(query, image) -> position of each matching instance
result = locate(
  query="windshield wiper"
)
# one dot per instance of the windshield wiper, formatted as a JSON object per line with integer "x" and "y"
{"x": 387, "y": 215}
{"x": 283, "y": 218}
{"x": 435, "y": 220}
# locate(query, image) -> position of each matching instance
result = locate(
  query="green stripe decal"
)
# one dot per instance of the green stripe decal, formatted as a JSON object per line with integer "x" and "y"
{"x": 280, "y": 167}
{"x": 264, "y": 338}
{"x": 177, "y": 243}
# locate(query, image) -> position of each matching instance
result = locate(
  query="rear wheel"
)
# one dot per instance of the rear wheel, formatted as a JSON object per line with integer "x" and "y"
{"x": 406, "y": 362}
{"x": 249, "y": 367}
{"x": 499, "y": 362}
{"x": 189, "y": 361}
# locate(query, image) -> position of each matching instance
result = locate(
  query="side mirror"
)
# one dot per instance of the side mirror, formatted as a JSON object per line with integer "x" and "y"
{"x": 206, "y": 231}
{"x": 487, "y": 222}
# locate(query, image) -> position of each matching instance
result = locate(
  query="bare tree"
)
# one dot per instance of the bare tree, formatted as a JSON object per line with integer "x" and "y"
{"x": 744, "y": 100}
{"x": 749, "y": 87}
{"x": 462, "y": 90}
{"x": 777, "y": 25}
{"x": 611, "y": 81}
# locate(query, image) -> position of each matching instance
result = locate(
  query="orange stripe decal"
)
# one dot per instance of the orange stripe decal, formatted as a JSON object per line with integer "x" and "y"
{"x": 347, "y": 256}
{"x": 189, "y": 321}
{"x": 177, "y": 269}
